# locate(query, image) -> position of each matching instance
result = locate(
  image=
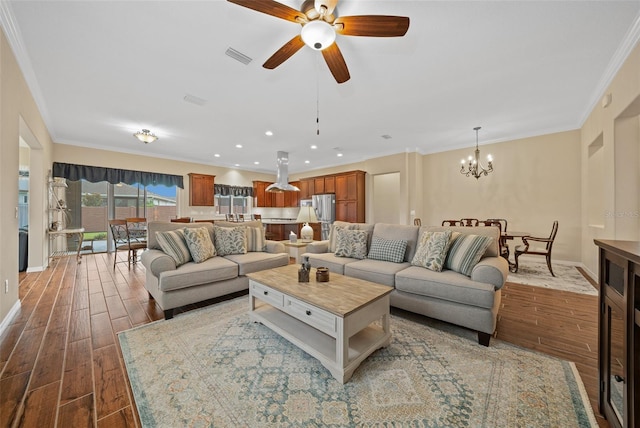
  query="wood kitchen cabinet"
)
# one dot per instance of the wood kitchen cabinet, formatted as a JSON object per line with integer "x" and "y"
{"x": 292, "y": 199}
{"x": 318, "y": 186}
{"x": 201, "y": 190}
{"x": 307, "y": 188}
{"x": 262, "y": 198}
{"x": 619, "y": 332}
{"x": 330, "y": 184}
{"x": 350, "y": 196}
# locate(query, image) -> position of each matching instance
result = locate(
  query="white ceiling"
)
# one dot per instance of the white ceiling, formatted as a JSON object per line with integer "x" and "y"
{"x": 101, "y": 70}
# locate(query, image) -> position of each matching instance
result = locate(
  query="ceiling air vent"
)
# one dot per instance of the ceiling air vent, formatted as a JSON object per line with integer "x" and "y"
{"x": 238, "y": 56}
{"x": 195, "y": 100}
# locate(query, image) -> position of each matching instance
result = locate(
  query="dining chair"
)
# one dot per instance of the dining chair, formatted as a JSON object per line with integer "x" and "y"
{"x": 137, "y": 227}
{"x": 452, "y": 223}
{"x": 417, "y": 222}
{"x": 122, "y": 242}
{"x": 504, "y": 252}
{"x": 546, "y": 251}
{"x": 505, "y": 245}
{"x": 181, "y": 220}
{"x": 257, "y": 216}
{"x": 469, "y": 221}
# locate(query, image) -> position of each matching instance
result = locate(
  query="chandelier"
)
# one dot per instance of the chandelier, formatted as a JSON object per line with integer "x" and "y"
{"x": 474, "y": 167}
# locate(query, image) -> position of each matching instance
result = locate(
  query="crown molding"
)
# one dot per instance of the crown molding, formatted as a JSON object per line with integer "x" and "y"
{"x": 11, "y": 30}
{"x": 619, "y": 57}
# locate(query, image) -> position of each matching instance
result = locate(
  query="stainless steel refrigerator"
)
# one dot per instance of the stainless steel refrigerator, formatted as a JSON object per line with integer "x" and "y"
{"x": 325, "y": 206}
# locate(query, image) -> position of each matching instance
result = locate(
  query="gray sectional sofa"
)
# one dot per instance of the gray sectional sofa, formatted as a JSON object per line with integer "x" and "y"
{"x": 468, "y": 301}
{"x": 191, "y": 282}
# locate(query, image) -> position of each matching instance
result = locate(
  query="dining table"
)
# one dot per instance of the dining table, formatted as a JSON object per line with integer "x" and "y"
{"x": 509, "y": 236}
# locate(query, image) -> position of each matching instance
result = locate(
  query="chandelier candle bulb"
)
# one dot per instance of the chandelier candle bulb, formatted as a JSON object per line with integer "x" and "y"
{"x": 475, "y": 168}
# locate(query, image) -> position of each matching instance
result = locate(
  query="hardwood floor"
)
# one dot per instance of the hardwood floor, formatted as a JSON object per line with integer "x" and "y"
{"x": 60, "y": 363}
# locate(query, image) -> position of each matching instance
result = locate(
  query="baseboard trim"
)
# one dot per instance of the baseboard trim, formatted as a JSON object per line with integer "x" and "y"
{"x": 10, "y": 316}
{"x": 36, "y": 269}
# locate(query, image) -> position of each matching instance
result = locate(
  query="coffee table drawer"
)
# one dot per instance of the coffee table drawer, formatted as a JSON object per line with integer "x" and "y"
{"x": 311, "y": 315}
{"x": 268, "y": 295}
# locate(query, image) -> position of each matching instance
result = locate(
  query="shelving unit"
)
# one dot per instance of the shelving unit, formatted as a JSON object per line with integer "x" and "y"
{"x": 59, "y": 220}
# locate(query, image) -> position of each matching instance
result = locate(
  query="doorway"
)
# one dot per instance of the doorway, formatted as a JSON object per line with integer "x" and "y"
{"x": 386, "y": 198}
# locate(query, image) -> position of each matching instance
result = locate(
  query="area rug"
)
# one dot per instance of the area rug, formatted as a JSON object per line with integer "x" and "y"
{"x": 568, "y": 278}
{"x": 214, "y": 367}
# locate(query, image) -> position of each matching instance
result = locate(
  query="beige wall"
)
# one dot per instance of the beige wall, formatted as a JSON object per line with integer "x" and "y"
{"x": 19, "y": 116}
{"x": 535, "y": 181}
{"x": 93, "y": 157}
{"x": 610, "y": 204}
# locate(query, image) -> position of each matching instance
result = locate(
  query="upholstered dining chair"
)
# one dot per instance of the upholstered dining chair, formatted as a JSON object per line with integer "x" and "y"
{"x": 122, "y": 242}
{"x": 546, "y": 251}
{"x": 452, "y": 223}
{"x": 417, "y": 222}
{"x": 469, "y": 221}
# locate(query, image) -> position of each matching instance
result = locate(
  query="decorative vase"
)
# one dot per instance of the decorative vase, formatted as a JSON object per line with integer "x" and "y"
{"x": 322, "y": 274}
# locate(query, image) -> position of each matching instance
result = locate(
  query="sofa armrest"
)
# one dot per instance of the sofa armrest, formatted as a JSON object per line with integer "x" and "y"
{"x": 275, "y": 247}
{"x": 157, "y": 262}
{"x": 318, "y": 247}
{"x": 491, "y": 270}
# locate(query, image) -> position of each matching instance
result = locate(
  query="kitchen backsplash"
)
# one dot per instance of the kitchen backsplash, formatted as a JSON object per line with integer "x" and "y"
{"x": 276, "y": 212}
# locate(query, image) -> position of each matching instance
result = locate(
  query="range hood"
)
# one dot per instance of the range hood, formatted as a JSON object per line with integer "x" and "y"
{"x": 282, "y": 176}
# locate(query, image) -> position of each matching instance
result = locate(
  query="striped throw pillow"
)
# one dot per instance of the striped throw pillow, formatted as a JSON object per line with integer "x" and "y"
{"x": 173, "y": 244}
{"x": 466, "y": 251}
{"x": 388, "y": 250}
{"x": 255, "y": 239}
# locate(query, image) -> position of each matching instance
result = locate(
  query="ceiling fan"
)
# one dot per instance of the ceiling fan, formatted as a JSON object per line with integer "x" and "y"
{"x": 320, "y": 24}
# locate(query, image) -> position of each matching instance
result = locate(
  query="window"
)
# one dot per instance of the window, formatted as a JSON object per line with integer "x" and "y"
{"x": 240, "y": 204}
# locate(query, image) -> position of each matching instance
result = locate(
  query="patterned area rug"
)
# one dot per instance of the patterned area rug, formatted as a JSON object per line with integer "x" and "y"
{"x": 568, "y": 278}
{"x": 214, "y": 367}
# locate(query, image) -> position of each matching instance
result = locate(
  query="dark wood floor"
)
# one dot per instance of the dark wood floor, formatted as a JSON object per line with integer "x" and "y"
{"x": 60, "y": 363}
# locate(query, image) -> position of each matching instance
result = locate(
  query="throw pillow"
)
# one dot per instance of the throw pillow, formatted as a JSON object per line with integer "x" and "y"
{"x": 199, "y": 243}
{"x": 230, "y": 240}
{"x": 389, "y": 250}
{"x": 466, "y": 251}
{"x": 255, "y": 239}
{"x": 173, "y": 244}
{"x": 432, "y": 250}
{"x": 351, "y": 243}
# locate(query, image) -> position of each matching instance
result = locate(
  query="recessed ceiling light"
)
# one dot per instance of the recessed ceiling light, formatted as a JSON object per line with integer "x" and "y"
{"x": 237, "y": 164}
{"x": 307, "y": 161}
{"x": 313, "y": 147}
{"x": 238, "y": 146}
{"x": 268, "y": 133}
{"x": 256, "y": 163}
{"x": 339, "y": 155}
{"x": 217, "y": 155}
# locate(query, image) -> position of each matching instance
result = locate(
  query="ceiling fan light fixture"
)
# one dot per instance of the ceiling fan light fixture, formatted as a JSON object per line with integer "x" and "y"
{"x": 145, "y": 136}
{"x": 318, "y": 35}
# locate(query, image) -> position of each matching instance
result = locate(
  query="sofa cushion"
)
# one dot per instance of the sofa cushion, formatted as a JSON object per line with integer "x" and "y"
{"x": 465, "y": 252}
{"x": 211, "y": 270}
{"x": 446, "y": 285}
{"x": 432, "y": 250}
{"x": 389, "y": 250}
{"x": 257, "y": 261}
{"x": 329, "y": 260}
{"x": 173, "y": 243}
{"x": 164, "y": 226}
{"x": 399, "y": 231}
{"x": 256, "y": 240}
{"x": 491, "y": 231}
{"x": 377, "y": 271}
{"x": 199, "y": 242}
{"x": 230, "y": 240}
{"x": 351, "y": 243}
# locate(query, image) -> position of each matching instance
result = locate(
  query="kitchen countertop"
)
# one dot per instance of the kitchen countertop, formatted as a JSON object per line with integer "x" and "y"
{"x": 279, "y": 221}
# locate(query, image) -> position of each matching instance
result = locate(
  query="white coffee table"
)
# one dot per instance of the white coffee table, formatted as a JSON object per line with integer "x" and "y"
{"x": 340, "y": 322}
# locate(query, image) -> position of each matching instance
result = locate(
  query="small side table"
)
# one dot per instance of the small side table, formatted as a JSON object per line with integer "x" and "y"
{"x": 296, "y": 249}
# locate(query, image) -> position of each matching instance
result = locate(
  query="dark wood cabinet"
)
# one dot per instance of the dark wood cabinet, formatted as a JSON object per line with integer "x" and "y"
{"x": 318, "y": 185}
{"x": 280, "y": 232}
{"x": 262, "y": 198}
{"x": 201, "y": 190}
{"x": 350, "y": 196}
{"x": 619, "y": 332}
{"x": 330, "y": 184}
{"x": 307, "y": 188}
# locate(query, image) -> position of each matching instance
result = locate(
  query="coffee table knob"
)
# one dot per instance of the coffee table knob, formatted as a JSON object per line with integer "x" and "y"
{"x": 265, "y": 292}
{"x": 308, "y": 312}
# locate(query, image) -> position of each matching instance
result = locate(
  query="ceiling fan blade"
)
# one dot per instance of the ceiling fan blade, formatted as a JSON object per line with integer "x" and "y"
{"x": 284, "y": 53}
{"x": 273, "y": 8}
{"x": 335, "y": 61}
{"x": 372, "y": 25}
{"x": 330, "y": 5}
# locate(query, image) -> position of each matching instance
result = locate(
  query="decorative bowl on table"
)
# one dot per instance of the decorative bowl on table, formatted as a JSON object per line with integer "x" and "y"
{"x": 322, "y": 274}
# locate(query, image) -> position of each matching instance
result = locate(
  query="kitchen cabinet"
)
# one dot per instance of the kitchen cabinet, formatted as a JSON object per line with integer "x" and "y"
{"x": 201, "y": 190}
{"x": 330, "y": 184}
{"x": 619, "y": 332}
{"x": 262, "y": 198}
{"x": 350, "y": 196}
{"x": 307, "y": 188}
{"x": 291, "y": 199}
{"x": 280, "y": 232}
{"x": 318, "y": 185}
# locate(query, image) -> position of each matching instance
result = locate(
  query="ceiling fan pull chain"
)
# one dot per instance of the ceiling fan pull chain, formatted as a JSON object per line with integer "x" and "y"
{"x": 317, "y": 95}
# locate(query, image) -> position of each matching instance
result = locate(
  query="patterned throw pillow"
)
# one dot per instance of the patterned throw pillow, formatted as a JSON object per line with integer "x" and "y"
{"x": 174, "y": 245}
{"x": 432, "y": 250}
{"x": 230, "y": 240}
{"x": 351, "y": 243}
{"x": 389, "y": 250}
{"x": 466, "y": 251}
{"x": 199, "y": 243}
{"x": 255, "y": 239}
